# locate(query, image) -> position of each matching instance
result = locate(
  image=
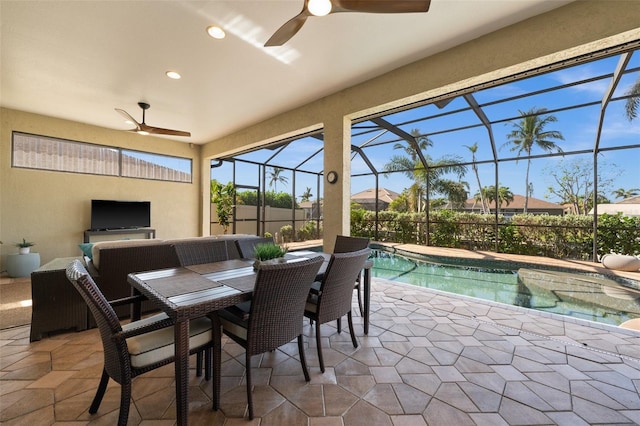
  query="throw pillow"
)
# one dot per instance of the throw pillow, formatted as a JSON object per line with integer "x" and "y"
{"x": 86, "y": 249}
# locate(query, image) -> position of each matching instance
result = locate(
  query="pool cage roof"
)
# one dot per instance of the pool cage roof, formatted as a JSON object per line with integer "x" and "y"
{"x": 468, "y": 134}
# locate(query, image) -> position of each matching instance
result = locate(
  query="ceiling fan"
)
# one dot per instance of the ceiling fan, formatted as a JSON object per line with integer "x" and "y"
{"x": 144, "y": 129}
{"x": 325, "y": 7}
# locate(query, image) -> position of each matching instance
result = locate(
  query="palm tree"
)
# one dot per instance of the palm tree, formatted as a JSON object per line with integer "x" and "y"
{"x": 633, "y": 103}
{"x": 528, "y": 133}
{"x": 505, "y": 196}
{"x": 473, "y": 148}
{"x": 407, "y": 165}
{"x": 306, "y": 195}
{"x": 411, "y": 166}
{"x": 625, "y": 193}
{"x": 274, "y": 177}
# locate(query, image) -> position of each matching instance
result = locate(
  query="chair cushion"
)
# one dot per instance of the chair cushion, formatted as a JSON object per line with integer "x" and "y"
{"x": 235, "y": 320}
{"x": 312, "y": 303}
{"x": 157, "y": 345}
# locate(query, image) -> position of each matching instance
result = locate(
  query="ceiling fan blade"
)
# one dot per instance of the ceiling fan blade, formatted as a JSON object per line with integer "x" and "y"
{"x": 128, "y": 117}
{"x": 289, "y": 29}
{"x": 381, "y": 6}
{"x": 160, "y": 131}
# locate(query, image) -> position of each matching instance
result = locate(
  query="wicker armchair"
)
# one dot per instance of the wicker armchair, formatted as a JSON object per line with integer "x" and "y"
{"x": 345, "y": 244}
{"x": 333, "y": 299}
{"x": 246, "y": 246}
{"x": 274, "y": 316}
{"x": 200, "y": 250}
{"x": 134, "y": 348}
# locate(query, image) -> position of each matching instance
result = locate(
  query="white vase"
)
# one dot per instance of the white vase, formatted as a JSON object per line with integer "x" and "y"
{"x": 24, "y": 250}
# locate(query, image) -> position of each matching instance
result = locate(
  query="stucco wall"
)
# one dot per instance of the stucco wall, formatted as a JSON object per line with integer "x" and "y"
{"x": 53, "y": 208}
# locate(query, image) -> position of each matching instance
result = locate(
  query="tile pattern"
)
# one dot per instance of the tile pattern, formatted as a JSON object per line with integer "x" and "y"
{"x": 430, "y": 358}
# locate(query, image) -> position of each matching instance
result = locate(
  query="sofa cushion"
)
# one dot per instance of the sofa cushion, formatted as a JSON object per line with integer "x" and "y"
{"x": 103, "y": 245}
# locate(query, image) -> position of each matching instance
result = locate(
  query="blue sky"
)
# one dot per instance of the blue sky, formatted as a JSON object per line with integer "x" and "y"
{"x": 578, "y": 126}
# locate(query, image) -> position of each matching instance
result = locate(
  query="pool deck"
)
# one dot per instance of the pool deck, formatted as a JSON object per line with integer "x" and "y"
{"x": 430, "y": 358}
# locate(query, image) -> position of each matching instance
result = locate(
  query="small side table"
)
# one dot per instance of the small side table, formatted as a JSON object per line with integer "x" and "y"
{"x": 22, "y": 265}
{"x": 56, "y": 303}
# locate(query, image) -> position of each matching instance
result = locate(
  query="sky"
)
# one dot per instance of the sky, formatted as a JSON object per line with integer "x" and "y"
{"x": 501, "y": 104}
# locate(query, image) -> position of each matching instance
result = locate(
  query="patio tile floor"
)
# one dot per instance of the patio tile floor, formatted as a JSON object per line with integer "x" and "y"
{"x": 429, "y": 359}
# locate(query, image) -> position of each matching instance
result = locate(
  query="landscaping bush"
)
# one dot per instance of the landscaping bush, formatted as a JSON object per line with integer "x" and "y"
{"x": 569, "y": 236}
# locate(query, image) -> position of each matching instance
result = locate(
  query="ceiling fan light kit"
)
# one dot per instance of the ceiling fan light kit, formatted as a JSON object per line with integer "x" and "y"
{"x": 326, "y": 7}
{"x": 144, "y": 129}
{"x": 319, "y": 7}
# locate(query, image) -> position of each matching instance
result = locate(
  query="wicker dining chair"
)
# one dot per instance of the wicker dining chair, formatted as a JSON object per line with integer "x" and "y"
{"x": 345, "y": 244}
{"x": 135, "y": 348}
{"x": 333, "y": 299}
{"x": 246, "y": 246}
{"x": 274, "y": 316}
{"x": 200, "y": 250}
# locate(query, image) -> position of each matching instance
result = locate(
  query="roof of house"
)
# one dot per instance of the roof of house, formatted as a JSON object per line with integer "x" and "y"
{"x": 630, "y": 200}
{"x": 369, "y": 195}
{"x": 518, "y": 203}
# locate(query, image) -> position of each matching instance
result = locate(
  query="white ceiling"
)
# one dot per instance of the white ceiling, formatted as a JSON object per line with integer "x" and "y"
{"x": 79, "y": 60}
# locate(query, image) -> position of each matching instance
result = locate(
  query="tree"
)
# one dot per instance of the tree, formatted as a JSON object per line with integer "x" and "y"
{"x": 407, "y": 165}
{"x": 306, "y": 195}
{"x": 222, "y": 196}
{"x": 505, "y": 196}
{"x": 529, "y": 132}
{"x": 633, "y": 103}
{"x": 474, "y": 148}
{"x": 275, "y": 177}
{"x": 456, "y": 192}
{"x": 625, "y": 193}
{"x": 573, "y": 183}
{"x": 412, "y": 167}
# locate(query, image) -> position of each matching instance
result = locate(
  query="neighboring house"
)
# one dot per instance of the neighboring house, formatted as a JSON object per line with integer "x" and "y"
{"x": 535, "y": 206}
{"x": 628, "y": 207}
{"x": 367, "y": 198}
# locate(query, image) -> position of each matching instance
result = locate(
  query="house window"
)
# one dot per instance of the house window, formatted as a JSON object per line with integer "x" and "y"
{"x": 47, "y": 153}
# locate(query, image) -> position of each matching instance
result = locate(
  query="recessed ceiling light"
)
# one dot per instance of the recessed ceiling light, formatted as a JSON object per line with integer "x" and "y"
{"x": 173, "y": 74}
{"x": 216, "y": 32}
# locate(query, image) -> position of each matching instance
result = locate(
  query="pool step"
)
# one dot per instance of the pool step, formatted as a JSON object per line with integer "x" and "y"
{"x": 578, "y": 288}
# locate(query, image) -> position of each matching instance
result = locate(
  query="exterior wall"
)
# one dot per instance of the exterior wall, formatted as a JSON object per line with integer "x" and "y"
{"x": 53, "y": 208}
{"x": 276, "y": 218}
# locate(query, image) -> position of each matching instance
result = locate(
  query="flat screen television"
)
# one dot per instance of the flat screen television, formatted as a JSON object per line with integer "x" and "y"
{"x": 112, "y": 214}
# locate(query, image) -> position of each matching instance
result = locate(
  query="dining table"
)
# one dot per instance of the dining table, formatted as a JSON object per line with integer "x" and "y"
{"x": 194, "y": 291}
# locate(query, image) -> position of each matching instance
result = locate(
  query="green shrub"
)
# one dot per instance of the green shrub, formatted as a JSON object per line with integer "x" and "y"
{"x": 286, "y": 232}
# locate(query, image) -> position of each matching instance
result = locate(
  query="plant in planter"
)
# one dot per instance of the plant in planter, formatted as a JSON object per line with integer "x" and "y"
{"x": 24, "y": 246}
{"x": 268, "y": 253}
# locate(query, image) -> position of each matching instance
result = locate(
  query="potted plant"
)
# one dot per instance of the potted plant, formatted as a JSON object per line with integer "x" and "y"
{"x": 24, "y": 246}
{"x": 269, "y": 253}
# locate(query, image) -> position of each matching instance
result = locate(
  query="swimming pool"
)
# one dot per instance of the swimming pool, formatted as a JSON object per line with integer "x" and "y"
{"x": 584, "y": 296}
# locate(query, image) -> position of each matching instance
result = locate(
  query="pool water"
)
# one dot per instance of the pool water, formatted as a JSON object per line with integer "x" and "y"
{"x": 584, "y": 296}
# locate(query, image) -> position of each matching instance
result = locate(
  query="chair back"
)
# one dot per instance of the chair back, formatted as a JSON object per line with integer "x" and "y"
{"x": 247, "y": 246}
{"x": 336, "y": 289}
{"x": 345, "y": 244}
{"x": 277, "y": 306}
{"x": 200, "y": 250}
{"x": 116, "y": 358}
